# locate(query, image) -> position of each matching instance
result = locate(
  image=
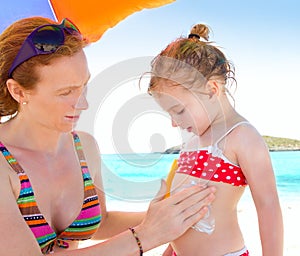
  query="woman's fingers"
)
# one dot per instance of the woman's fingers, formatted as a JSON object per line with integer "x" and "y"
{"x": 194, "y": 218}
{"x": 190, "y": 195}
{"x": 161, "y": 193}
{"x": 196, "y": 199}
{"x": 192, "y": 214}
{"x": 167, "y": 219}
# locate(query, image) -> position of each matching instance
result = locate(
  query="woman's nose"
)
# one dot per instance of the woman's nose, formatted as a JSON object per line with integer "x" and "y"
{"x": 82, "y": 102}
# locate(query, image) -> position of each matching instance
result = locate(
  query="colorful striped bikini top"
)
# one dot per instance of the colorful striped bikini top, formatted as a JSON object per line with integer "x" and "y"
{"x": 84, "y": 226}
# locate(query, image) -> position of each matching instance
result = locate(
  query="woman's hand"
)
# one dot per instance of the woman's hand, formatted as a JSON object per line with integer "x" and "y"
{"x": 167, "y": 219}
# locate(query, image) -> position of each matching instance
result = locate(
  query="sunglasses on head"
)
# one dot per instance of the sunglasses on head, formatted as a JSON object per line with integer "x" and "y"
{"x": 43, "y": 40}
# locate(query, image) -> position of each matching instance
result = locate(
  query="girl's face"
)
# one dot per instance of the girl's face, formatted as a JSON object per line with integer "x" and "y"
{"x": 60, "y": 94}
{"x": 187, "y": 108}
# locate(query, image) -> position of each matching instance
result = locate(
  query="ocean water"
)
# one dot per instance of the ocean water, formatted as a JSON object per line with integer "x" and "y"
{"x": 287, "y": 171}
{"x": 135, "y": 178}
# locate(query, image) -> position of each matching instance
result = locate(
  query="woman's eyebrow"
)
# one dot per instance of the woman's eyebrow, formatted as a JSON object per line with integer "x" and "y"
{"x": 71, "y": 87}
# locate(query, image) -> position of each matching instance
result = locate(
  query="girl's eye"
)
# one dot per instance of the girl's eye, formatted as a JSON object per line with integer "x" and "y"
{"x": 180, "y": 112}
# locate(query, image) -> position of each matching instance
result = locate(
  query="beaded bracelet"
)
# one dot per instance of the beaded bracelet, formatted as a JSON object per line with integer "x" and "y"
{"x": 137, "y": 240}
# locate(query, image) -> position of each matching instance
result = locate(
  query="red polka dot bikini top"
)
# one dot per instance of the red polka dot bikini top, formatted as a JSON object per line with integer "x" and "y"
{"x": 209, "y": 163}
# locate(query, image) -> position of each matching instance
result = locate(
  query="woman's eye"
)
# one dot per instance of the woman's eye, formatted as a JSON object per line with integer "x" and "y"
{"x": 66, "y": 93}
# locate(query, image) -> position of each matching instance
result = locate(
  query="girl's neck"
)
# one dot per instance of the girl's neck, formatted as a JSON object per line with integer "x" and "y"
{"x": 227, "y": 113}
{"x": 222, "y": 121}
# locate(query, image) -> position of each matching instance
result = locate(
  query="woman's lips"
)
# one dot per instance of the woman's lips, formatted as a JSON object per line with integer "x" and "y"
{"x": 72, "y": 118}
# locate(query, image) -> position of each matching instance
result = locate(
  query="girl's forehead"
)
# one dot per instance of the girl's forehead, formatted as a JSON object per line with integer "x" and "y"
{"x": 177, "y": 96}
{"x": 172, "y": 97}
{"x": 168, "y": 92}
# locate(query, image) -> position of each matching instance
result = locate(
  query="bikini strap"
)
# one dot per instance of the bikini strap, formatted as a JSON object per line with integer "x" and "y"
{"x": 81, "y": 157}
{"x": 79, "y": 149}
{"x": 10, "y": 159}
{"x": 89, "y": 188}
{"x": 229, "y": 131}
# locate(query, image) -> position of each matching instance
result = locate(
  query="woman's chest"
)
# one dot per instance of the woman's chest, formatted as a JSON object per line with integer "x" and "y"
{"x": 57, "y": 190}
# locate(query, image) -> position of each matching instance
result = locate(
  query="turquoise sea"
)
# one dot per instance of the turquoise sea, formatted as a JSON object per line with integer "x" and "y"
{"x": 135, "y": 178}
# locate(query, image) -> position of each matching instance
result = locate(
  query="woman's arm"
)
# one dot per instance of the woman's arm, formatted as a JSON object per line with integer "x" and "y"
{"x": 256, "y": 164}
{"x": 16, "y": 237}
{"x": 113, "y": 222}
{"x": 168, "y": 251}
{"x": 165, "y": 220}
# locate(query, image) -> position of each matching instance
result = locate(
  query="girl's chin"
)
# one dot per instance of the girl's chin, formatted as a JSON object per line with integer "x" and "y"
{"x": 189, "y": 129}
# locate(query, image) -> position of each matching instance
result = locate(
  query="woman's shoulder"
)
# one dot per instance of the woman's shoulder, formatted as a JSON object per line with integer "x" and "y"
{"x": 85, "y": 136}
{"x": 88, "y": 142}
{"x": 8, "y": 178}
{"x": 90, "y": 149}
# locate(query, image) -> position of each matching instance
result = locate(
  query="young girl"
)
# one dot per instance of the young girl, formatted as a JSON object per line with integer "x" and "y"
{"x": 189, "y": 80}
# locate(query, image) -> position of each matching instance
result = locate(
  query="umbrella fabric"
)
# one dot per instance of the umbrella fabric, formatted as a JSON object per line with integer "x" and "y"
{"x": 93, "y": 17}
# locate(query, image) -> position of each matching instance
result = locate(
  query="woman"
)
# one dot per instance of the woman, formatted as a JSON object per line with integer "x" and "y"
{"x": 50, "y": 182}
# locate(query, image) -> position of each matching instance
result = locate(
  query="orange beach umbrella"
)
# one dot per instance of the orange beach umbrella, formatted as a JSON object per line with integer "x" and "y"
{"x": 93, "y": 17}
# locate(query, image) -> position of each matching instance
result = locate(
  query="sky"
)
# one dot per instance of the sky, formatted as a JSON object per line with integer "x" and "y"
{"x": 261, "y": 39}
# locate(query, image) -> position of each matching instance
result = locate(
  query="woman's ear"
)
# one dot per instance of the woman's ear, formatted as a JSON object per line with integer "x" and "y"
{"x": 16, "y": 91}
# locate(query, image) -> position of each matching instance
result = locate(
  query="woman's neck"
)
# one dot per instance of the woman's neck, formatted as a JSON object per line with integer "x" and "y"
{"x": 27, "y": 135}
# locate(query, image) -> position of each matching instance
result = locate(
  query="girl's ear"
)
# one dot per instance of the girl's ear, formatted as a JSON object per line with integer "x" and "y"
{"x": 214, "y": 87}
{"x": 16, "y": 91}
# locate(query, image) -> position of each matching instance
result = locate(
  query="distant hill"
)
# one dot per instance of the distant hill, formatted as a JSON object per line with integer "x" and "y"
{"x": 274, "y": 144}
{"x": 281, "y": 144}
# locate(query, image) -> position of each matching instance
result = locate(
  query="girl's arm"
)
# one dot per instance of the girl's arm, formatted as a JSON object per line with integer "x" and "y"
{"x": 254, "y": 159}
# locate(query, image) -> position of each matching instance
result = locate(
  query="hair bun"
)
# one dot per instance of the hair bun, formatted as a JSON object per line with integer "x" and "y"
{"x": 199, "y": 31}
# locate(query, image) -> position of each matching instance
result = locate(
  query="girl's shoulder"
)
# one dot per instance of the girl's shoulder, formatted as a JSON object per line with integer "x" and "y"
{"x": 243, "y": 131}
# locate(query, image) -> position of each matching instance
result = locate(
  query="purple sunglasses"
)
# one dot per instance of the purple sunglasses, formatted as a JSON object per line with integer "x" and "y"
{"x": 43, "y": 40}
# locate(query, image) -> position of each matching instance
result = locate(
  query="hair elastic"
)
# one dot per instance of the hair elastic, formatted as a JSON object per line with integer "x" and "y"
{"x": 194, "y": 35}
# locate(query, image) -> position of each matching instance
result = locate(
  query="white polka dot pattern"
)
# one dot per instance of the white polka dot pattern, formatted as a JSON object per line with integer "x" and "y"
{"x": 202, "y": 164}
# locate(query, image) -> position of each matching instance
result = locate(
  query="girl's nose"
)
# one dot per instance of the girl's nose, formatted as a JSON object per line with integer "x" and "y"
{"x": 174, "y": 123}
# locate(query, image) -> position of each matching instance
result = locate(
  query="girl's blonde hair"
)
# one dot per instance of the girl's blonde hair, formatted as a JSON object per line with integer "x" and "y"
{"x": 190, "y": 61}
